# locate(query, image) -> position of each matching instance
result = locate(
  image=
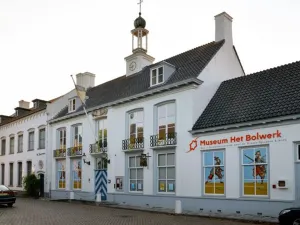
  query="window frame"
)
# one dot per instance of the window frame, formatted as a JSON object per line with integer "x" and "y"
{"x": 79, "y": 135}
{"x": 136, "y": 179}
{"x": 267, "y": 177}
{"x": 3, "y": 146}
{"x": 101, "y": 125}
{"x": 167, "y": 126}
{"x": 20, "y": 174}
{"x": 11, "y": 174}
{"x": 203, "y": 166}
{"x": 72, "y": 105}
{"x": 31, "y": 133}
{"x": 61, "y": 142}
{"x": 20, "y": 143}
{"x": 157, "y": 75}
{"x": 138, "y": 124}
{"x": 158, "y": 179}
{"x": 29, "y": 168}
{"x": 73, "y": 174}
{"x": 2, "y": 173}
{"x": 58, "y": 180}
{"x": 42, "y": 140}
{"x": 12, "y": 144}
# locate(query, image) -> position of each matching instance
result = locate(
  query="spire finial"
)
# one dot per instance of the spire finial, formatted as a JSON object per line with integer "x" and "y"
{"x": 140, "y": 3}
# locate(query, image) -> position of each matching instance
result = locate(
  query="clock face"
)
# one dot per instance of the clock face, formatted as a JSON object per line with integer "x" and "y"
{"x": 132, "y": 65}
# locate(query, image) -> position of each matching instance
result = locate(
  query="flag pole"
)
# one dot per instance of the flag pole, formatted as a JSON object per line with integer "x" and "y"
{"x": 83, "y": 105}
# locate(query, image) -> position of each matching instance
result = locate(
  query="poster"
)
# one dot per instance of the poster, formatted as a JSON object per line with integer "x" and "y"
{"x": 214, "y": 172}
{"x": 140, "y": 186}
{"x": 171, "y": 187}
{"x": 255, "y": 171}
{"x": 162, "y": 186}
{"x": 132, "y": 187}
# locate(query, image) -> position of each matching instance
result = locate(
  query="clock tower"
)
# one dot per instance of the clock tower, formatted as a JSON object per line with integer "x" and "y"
{"x": 139, "y": 57}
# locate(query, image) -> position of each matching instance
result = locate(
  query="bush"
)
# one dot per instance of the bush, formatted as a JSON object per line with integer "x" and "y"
{"x": 31, "y": 185}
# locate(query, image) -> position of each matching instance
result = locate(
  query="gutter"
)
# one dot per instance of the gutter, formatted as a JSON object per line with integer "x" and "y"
{"x": 247, "y": 124}
{"x": 131, "y": 98}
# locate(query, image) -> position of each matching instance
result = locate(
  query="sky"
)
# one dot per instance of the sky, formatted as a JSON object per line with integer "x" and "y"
{"x": 43, "y": 42}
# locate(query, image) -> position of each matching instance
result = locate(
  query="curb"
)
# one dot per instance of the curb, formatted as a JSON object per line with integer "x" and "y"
{"x": 116, "y": 206}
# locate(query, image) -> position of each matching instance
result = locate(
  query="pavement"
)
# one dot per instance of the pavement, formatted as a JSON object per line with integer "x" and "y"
{"x": 28, "y": 211}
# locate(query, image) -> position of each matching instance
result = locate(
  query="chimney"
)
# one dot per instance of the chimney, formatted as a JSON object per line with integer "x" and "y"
{"x": 223, "y": 28}
{"x": 85, "y": 80}
{"x": 23, "y": 104}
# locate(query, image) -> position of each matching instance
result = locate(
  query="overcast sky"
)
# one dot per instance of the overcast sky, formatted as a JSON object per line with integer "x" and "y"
{"x": 42, "y": 42}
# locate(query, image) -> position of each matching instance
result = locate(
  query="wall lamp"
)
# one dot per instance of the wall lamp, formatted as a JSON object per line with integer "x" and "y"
{"x": 86, "y": 162}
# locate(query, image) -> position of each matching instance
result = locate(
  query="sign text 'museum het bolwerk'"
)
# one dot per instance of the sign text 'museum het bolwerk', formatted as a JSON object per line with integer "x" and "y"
{"x": 236, "y": 140}
{"x": 248, "y": 137}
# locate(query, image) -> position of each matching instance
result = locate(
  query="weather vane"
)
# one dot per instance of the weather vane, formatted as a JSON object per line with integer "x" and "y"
{"x": 140, "y": 3}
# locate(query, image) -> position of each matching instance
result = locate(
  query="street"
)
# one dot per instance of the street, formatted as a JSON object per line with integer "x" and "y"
{"x": 42, "y": 212}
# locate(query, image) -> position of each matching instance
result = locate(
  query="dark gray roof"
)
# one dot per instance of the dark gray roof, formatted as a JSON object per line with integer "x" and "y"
{"x": 263, "y": 95}
{"x": 187, "y": 65}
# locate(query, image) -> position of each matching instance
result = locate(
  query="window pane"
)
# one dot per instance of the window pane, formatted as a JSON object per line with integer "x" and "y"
{"x": 261, "y": 180}
{"x": 160, "y": 70}
{"x": 260, "y": 155}
{"x": 171, "y": 159}
{"x": 260, "y": 172}
{"x": 249, "y": 187}
{"x": 161, "y": 111}
{"x": 140, "y": 174}
{"x": 162, "y": 132}
{"x": 171, "y": 185}
{"x": 209, "y": 180}
{"x": 162, "y": 186}
{"x": 171, "y": 109}
{"x": 161, "y": 159}
{"x": 160, "y": 78}
{"x": 248, "y": 156}
{"x": 162, "y": 174}
{"x": 208, "y": 158}
{"x": 153, "y": 73}
{"x": 132, "y": 129}
{"x": 219, "y": 158}
{"x": 132, "y": 161}
{"x": 138, "y": 160}
{"x": 140, "y": 185}
{"x": 170, "y": 173}
{"x": 171, "y": 129}
{"x": 219, "y": 180}
{"x": 140, "y": 131}
{"x": 132, "y": 174}
{"x": 132, "y": 185}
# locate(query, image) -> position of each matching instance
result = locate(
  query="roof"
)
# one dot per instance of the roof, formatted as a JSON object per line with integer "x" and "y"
{"x": 188, "y": 65}
{"x": 26, "y": 112}
{"x": 271, "y": 93}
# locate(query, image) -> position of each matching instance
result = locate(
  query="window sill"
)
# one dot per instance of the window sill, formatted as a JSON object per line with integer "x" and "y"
{"x": 41, "y": 148}
{"x": 20, "y": 152}
{"x": 11, "y": 153}
{"x": 19, "y": 186}
{"x": 162, "y": 147}
{"x": 134, "y": 150}
{"x": 29, "y": 150}
{"x": 165, "y": 193}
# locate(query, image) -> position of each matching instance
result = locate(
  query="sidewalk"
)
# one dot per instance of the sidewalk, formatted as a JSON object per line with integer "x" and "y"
{"x": 243, "y": 218}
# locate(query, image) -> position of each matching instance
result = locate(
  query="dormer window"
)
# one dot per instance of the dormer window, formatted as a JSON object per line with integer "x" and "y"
{"x": 35, "y": 105}
{"x": 72, "y": 105}
{"x": 157, "y": 76}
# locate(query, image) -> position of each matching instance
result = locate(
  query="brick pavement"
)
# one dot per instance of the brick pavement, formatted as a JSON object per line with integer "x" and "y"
{"x": 42, "y": 212}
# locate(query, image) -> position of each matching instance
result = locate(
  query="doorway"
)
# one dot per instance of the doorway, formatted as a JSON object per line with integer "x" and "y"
{"x": 42, "y": 183}
{"x": 101, "y": 178}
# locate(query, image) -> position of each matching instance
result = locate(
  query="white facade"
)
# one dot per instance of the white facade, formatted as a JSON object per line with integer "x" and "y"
{"x": 26, "y": 153}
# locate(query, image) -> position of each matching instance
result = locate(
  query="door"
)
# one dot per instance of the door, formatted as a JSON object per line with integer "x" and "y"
{"x": 42, "y": 191}
{"x": 101, "y": 178}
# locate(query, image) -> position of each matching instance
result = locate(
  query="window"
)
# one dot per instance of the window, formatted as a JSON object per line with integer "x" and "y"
{"x": 20, "y": 171}
{"x": 11, "y": 174}
{"x": 3, "y": 145}
{"x": 102, "y": 133}
{"x": 42, "y": 135}
{"x": 31, "y": 141}
{"x": 166, "y": 120}
{"x": 298, "y": 152}
{"x": 3, "y": 188}
{"x": 76, "y": 171}
{"x": 12, "y": 145}
{"x": 136, "y": 127}
{"x": 166, "y": 172}
{"x": 77, "y": 136}
{"x": 20, "y": 143}
{"x": 61, "y": 174}
{"x": 136, "y": 174}
{"x": 61, "y": 144}
{"x": 213, "y": 167}
{"x": 35, "y": 105}
{"x": 157, "y": 76}
{"x": 29, "y": 167}
{"x": 2, "y": 173}
{"x": 255, "y": 168}
{"x": 72, "y": 104}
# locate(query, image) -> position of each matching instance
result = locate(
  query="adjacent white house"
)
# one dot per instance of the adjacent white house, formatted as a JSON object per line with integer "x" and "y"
{"x": 132, "y": 146}
{"x": 23, "y": 143}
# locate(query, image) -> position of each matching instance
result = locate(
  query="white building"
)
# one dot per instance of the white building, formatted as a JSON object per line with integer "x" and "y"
{"x": 23, "y": 143}
{"x": 140, "y": 122}
{"x": 252, "y": 126}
